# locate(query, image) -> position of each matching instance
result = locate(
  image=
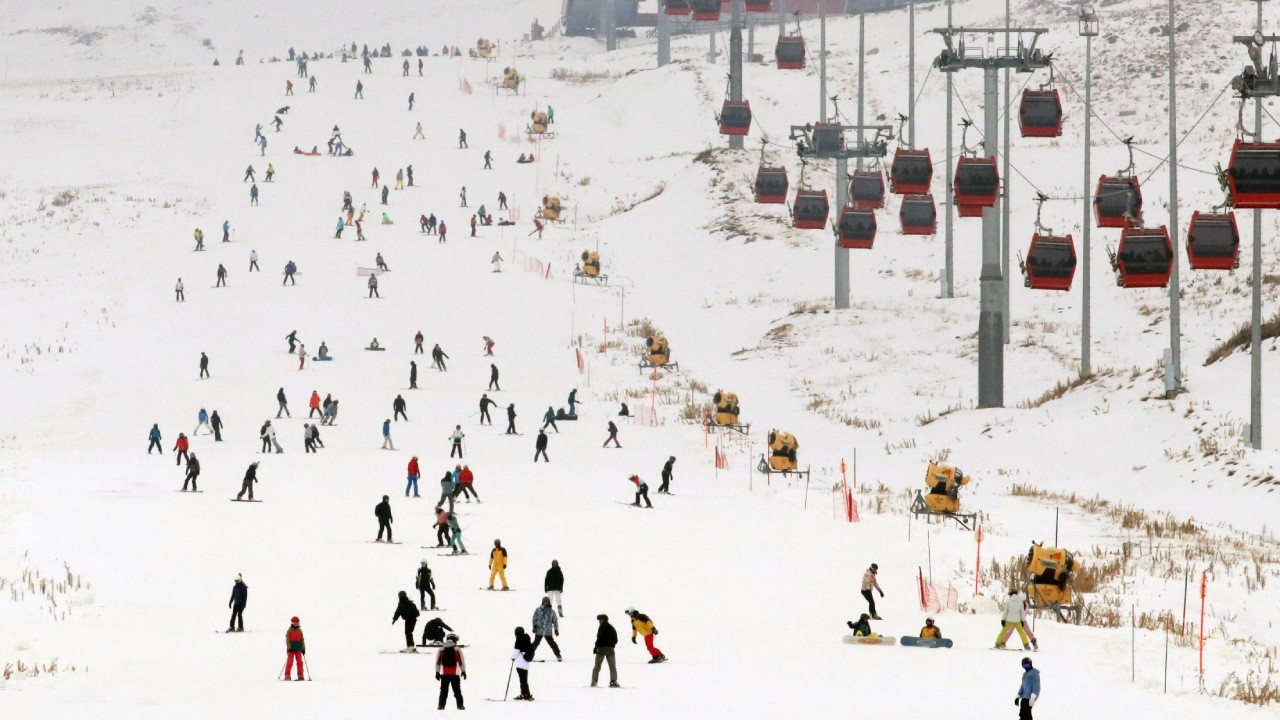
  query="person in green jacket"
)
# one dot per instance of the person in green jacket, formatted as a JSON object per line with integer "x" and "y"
{"x": 456, "y": 541}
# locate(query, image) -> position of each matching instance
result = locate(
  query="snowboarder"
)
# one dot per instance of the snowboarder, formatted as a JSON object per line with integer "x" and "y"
{"x": 215, "y": 424}
{"x": 386, "y": 435}
{"x": 413, "y": 375}
{"x": 177, "y": 292}
{"x": 382, "y": 511}
{"x": 311, "y": 86}
{"x": 642, "y": 625}
{"x": 540, "y": 447}
{"x": 869, "y": 583}
{"x": 284, "y": 404}
{"x": 665, "y": 487}
{"x": 373, "y": 287}
{"x": 493, "y": 377}
{"x": 433, "y": 632}
{"x": 456, "y": 439}
{"x": 204, "y": 365}
{"x": 341, "y": 226}
{"x": 613, "y": 435}
{"x": 253, "y": 261}
{"x": 296, "y": 647}
{"x": 485, "y": 404}
{"x": 456, "y": 539}
{"x": 1028, "y": 691}
{"x": 193, "y": 473}
{"x": 426, "y": 585}
{"x": 239, "y": 598}
{"x": 250, "y": 477}
{"x": 930, "y": 631}
{"x": 549, "y": 418}
{"x": 466, "y": 482}
{"x": 502, "y": 200}
{"x": 862, "y": 628}
{"x": 488, "y": 347}
{"x": 360, "y": 86}
{"x": 398, "y": 406}
{"x": 606, "y": 642}
{"x": 522, "y": 656}
{"x": 222, "y": 276}
{"x": 417, "y": 343}
{"x": 399, "y": 179}
{"x": 406, "y": 610}
{"x": 642, "y": 491}
{"x": 496, "y": 261}
{"x": 386, "y": 192}
{"x": 271, "y": 169}
{"x": 498, "y": 564}
{"x": 553, "y": 585}
{"x": 462, "y": 139}
{"x": 180, "y": 447}
{"x": 488, "y": 160}
{"x": 153, "y": 440}
{"x": 292, "y": 337}
{"x": 412, "y": 474}
{"x": 439, "y": 357}
{"x": 1012, "y": 619}
{"x": 511, "y": 423}
{"x": 546, "y": 627}
{"x": 449, "y": 667}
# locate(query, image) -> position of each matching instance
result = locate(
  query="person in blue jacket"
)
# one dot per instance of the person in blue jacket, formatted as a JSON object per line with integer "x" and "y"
{"x": 1029, "y": 691}
{"x": 226, "y": 231}
{"x": 289, "y": 269}
{"x": 154, "y": 437}
{"x": 385, "y": 192}
{"x": 341, "y": 225}
{"x": 253, "y": 194}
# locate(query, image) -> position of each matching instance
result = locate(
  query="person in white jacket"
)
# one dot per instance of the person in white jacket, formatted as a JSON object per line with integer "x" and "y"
{"x": 497, "y": 262}
{"x": 1012, "y": 619}
{"x": 177, "y": 292}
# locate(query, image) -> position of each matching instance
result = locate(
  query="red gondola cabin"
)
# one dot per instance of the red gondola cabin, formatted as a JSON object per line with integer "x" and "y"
{"x": 1144, "y": 258}
{"x": 1253, "y": 175}
{"x": 866, "y": 189}
{"x": 1213, "y": 242}
{"x": 810, "y": 209}
{"x": 976, "y": 183}
{"x": 1050, "y": 263}
{"x": 1115, "y": 197}
{"x": 856, "y": 228}
{"x": 1040, "y": 113}
{"x": 771, "y": 185}
{"x": 706, "y": 9}
{"x": 759, "y": 5}
{"x": 677, "y": 7}
{"x": 911, "y": 172}
{"x": 735, "y": 117}
{"x": 790, "y": 52}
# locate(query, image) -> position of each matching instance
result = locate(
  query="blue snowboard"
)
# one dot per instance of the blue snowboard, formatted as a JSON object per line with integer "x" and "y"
{"x": 925, "y": 642}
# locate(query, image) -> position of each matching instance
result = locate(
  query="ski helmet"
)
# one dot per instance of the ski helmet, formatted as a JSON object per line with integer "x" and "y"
{"x": 294, "y": 620}
{"x": 631, "y": 611}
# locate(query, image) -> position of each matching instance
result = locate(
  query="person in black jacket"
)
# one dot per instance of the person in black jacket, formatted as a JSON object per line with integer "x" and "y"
{"x": 406, "y": 610}
{"x": 383, "y": 512}
{"x": 426, "y": 586}
{"x": 493, "y": 377}
{"x": 215, "y": 422}
{"x": 250, "y": 477}
{"x": 613, "y": 435}
{"x": 553, "y": 585}
{"x": 485, "y": 404}
{"x": 413, "y": 375}
{"x": 204, "y": 365}
{"x": 398, "y": 406}
{"x": 665, "y": 487}
{"x": 239, "y": 598}
{"x": 606, "y": 641}
{"x": 524, "y": 647}
{"x": 511, "y": 419}
{"x": 433, "y": 631}
{"x": 540, "y": 447}
{"x": 193, "y": 472}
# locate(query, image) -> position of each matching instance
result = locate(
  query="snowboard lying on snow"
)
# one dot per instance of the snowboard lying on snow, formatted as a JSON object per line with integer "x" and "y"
{"x": 868, "y": 640}
{"x": 913, "y": 641}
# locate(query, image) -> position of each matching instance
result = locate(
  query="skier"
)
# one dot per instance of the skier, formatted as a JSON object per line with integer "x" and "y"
{"x": 253, "y": 261}
{"x": 386, "y": 192}
{"x": 466, "y": 480}
{"x": 485, "y": 404}
{"x": 408, "y": 173}
{"x": 667, "y": 470}
{"x": 553, "y": 585}
{"x": 642, "y": 491}
{"x": 573, "y": 402}
{"x": 250, "y": 173}
{"x": 330, "y": 413}
{"x": 314, "y": 404}
{"x": 222, "y": 276}
{"x": 511, "y": 423}
{"x": 456, "y": 438}
{"x": 239, "y": 598}
{"x": 226, "y": 231}
{"x": 199, "y": 236}
{"x": 153, "y": 440}
{"x": 204, "y": 365}
{"x": 413, "y": 375}
{"x": 613, "y": 435}
{"x": 314, "y": 436}
{"x": 1012, "y": 619}
{"x": 382, "y": 511}
{"x": 417, "y": 343}
{"x": 202, "y": 420}
{"x": 271, "y": 438}
{"x": 386, "y": 435}
{"x": 368, "y": 65}
{"x": 262, "y": 145}
{"x": 215, "y": 424}
{"x": 448, "y": 490}
{"x": 462, "y": 139}
{"x": 449, "y": 666}
{"x": 869, "y": 582}
{"x": 498, "y": 564}
{"x": 488, "y": 348}
{"x": 341, "y": 226}
{"x": 455, "y": 540}
{"x": 439, "y": 357}
{"x": 930, "y": 630}
{"x": 412, "y": 474}
{"x": 406, "y": 610}
{"x": 399, "y": 179}
{"x": 426, "y": 585}
{"x": 433, "y": 632}
{"x": 473, "y": 226}
{"x": 493, "y": 377}
{"x": 546, "y": 627}
{"x": 522, "y": 656}
{"x": 177, "y": 292}
{"x": 442, "y": 232}
{"x": 250, "y": 477}
{"x": 606, "y": 641}
{"x": 488, "y": 159}
{"x": 537, "y": 228}
{"x": 271, "y": 169}
{"x": 642, "y": 625}
{"x": 308, "y": 445}
{"x": 549, "y": 418}
{"x": 410, "y": 94}
{"x": 311, "y": 86}
{"x": 540, "y": 447}
{"x": 292, "y": 337}
{"x": 417, "y": 135}
{"x": 406, "y": 68}
{"x": 193, "y": 472}
{"x": 296, "y": 647}
{"x": 502, "y": 200}
{"x": 463, "y": 194}
{"x": 360, "y": 86}
{"x": 284, "y": 404}
{"x": 289, "y": 269}
{"x": 1028, "y": 691}
{"x": 180, "y": 447}
{"x": 496, "y": 261}
{"x": 419, "y": 67}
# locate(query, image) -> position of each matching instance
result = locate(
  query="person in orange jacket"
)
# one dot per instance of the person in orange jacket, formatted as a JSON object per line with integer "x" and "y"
{"x": 498, "y": 564}
{"x": 295, "y": 646}
{"x": 642, "y": 625}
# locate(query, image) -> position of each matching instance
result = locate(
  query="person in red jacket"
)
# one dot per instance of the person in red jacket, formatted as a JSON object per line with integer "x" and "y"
{"x": 413, "y": 476}
{"x": 449, "y": 666}
{"x": 315, "y": 405}
{"x": 180, "y": 447}
{"x": 295, "y": 647}
{"x": 465, "y": 480}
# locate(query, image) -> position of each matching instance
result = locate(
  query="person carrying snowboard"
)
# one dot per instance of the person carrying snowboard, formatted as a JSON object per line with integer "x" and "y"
{"x": 485, "y": 404}
{"x": 667, "y": 470}
{"x": 295, "y": 645}
{"x": 546, "y": 627}
{"x": 451, "y": 669}
{"x": 553, "y": 585}
{"x": 426, "y": 585}
{"x": 1028, "y": 691}
{"x": 383, "y": 512}
{"x": 246, "y": 486}
{"x": 642, "y": 625}
{"x": 540, "y": 447}
{"x": 613, "y": 435}
{"x": 405, "y": 610}
{"x": 193, "y": 472}
{"x": 869, "y": 583}
{"x": 498, "y": 564}
{"x": 239, "y": 599}
{"x": 642, "y": 491}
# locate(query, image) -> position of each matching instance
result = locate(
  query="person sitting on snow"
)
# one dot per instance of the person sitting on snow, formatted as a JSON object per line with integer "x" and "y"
{"x": 862, "y": 628}
{"x": 324, "y": 350}
{"x": 930, "y": 630}
{"x": 374, "y": 345}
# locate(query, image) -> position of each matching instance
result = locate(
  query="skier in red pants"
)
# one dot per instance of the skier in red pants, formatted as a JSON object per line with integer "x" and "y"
{"x": 296, "y": 646}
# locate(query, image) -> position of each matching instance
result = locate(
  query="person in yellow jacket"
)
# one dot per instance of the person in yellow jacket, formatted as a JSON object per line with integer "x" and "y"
{"x": 498, "y": 564}
{"x": 930, "y": 630}
{"x": 642, "y": 625}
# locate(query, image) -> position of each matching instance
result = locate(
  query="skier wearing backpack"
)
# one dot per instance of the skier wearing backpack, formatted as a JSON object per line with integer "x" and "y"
{"x": 642, "y": 625}
{"x": 426, "y": 585}
{"x": 405, "y": 610}
{"x": 450, "y": 666}
{"x": 239, "y": 599}
{"x": 295, "y": 646}
{"x": 870, "y": 583}
{"x": 382, "y": 511}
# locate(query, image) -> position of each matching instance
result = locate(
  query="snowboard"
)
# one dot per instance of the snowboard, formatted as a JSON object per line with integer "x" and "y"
{"x": 384, "y": 542}
{"x": 239, "y": 500}
{"x": 866, "y": 640}
{"x": 647, "y": 507}
{"x": 378, "y": 349}
{"x": 186, "y": 491}
{"x": 398, "y": 652}
{"x": 321, "y": 359}
{"x": 913, "y": 641}
{"x": 452, "y": 554}
{"x": 497, "y": 589}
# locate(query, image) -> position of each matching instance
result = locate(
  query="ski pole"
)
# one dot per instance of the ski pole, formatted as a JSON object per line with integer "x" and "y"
{"x": 307, "y": 668}
{"x": 282, "y": 667}
{"x": 508, "y": 690}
